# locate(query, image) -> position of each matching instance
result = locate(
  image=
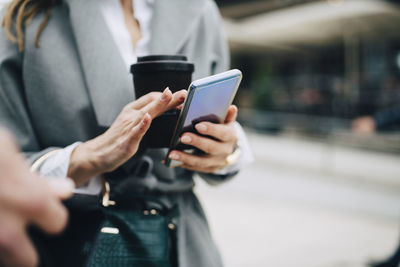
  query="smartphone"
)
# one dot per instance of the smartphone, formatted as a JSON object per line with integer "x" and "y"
{"x": 208, "y": 99}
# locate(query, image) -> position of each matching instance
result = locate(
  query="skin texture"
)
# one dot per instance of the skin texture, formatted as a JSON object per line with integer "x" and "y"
{"x": 216, "y": 150}
{"x": 110, "y": 150}
{"x": 131, "y": 23}
{"x": 120, "y": 142}
{"x": 26, "y": 199}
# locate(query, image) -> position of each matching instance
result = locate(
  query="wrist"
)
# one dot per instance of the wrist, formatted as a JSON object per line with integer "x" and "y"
{"x": 84, "y": 163}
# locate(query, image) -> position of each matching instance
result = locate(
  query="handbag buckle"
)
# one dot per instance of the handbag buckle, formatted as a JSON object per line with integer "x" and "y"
{"x": 106, "y": 195}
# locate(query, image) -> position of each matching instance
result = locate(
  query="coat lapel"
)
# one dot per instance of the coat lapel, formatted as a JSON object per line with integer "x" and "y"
{"x": 108, "y": 81}
{"x": 172, "y": 24}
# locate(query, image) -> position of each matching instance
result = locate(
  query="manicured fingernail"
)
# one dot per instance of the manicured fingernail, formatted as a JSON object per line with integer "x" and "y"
{"x": 174, "y": 156}
{"x": 186, "y": 139}
{"x": 201, "y": 127}
{"x": 165, "y": 94}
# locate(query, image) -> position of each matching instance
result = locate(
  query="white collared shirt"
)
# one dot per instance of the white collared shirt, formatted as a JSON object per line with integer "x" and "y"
{"x": 114, "y": 18}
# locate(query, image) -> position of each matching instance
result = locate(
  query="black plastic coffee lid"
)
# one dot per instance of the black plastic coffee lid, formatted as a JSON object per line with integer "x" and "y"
{"x": 164, "y": 65}
{"x": 162, "y": 57}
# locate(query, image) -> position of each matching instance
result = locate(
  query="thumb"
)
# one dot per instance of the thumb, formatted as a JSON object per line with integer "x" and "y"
{"x": 232, "y": 114}
{"x": 62, "y": 188}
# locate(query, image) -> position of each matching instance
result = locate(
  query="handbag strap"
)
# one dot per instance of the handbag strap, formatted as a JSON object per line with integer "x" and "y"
{"x": 38, "y": 163}
{"x": 106, "y": 202}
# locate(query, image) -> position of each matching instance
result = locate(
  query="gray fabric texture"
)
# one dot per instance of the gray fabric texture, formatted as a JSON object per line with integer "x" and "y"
{"x": 75, "y": 84}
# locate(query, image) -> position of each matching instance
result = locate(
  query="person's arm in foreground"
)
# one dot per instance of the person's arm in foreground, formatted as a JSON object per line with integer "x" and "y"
{"x": 26, "y": 199}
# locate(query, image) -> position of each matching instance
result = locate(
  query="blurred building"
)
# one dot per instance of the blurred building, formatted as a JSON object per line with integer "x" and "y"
{"x": 314, "y": 65}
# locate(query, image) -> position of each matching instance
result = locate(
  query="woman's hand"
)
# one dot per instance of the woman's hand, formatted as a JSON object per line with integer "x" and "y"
{"x": 120, "y": 142}
{"x": 216, "y": 151}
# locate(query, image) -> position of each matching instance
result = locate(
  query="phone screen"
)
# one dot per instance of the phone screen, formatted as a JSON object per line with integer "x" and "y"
{"x": 208, "y": 100}
{"x": 209, "y": 103}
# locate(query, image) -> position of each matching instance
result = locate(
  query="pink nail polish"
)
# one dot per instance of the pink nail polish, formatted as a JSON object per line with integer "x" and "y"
{"x": 164, "y": 94}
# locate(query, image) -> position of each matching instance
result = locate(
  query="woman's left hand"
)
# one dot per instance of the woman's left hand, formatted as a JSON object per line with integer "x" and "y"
{"x": 216, "y": 150}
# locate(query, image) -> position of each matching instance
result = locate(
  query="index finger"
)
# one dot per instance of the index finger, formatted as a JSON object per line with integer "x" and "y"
{"x": 222, "y": 132}
{"x": 144, "y": 100}
{"x": 158, "y": 106}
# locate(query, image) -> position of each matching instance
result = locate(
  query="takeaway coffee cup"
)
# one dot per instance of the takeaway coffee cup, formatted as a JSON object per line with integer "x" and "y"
{"x": 155, "y": 73}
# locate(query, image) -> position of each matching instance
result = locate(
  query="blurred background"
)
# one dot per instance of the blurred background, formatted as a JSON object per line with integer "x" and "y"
{"x": 324, "y": 189}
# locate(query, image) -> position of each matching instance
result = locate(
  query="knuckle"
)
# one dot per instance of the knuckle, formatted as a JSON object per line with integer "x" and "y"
{"x": 211, "y": 127}
{"x": 141, "y": 113}
{"x": 196, "y": 141}
{"x": 125, "y": 120}
{"x": 185, "y": 159}
{"x": 208, "y": 148}
{"x": 191, "y": 161}
{"x": 127, "y": 108}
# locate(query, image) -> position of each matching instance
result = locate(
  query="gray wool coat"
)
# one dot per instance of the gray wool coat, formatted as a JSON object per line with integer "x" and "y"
{"x": 76, "y": 83}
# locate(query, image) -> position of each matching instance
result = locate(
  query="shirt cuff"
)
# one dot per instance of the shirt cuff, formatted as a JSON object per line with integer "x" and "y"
{"x": 56, "y": 167}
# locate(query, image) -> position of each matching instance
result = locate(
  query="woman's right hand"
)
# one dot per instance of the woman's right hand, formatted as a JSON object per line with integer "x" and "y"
{"x": 120, "y": 142}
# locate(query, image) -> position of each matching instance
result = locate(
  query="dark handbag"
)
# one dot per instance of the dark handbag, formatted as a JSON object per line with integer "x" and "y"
{"x": 133, "y": 230}
{"x": 132, "y": 237}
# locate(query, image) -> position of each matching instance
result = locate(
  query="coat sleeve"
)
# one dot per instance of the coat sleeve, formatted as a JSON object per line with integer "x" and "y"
{"x": 220, "y": 62}
{"x": 14, "y": 114}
